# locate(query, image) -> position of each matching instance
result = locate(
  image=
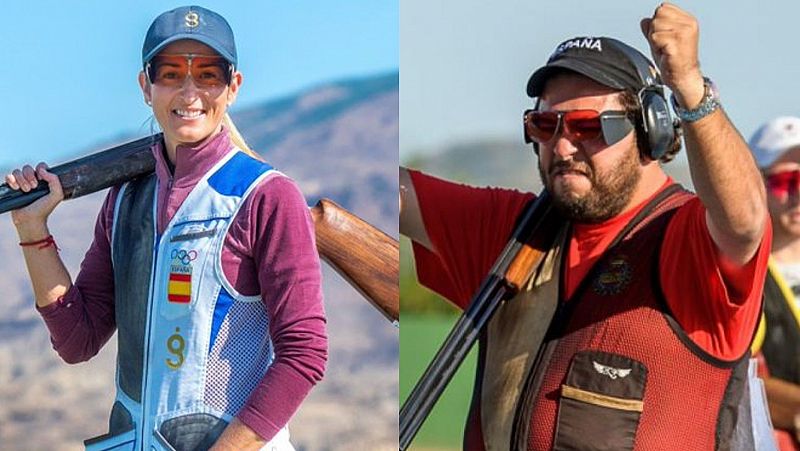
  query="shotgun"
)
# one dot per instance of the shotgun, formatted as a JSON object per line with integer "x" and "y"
{"x": 525, "y": 250}
{"x": 365, "y": 256}
{"x": 362, "y": 254}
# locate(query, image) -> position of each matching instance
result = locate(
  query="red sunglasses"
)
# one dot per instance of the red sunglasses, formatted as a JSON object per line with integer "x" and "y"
{"x": 207, "y": 71}
{"x": 781, "y": 184}
{"x": 576, "y": 125}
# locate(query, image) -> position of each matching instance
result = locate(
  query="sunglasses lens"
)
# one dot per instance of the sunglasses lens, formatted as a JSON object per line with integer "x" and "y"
{"x": 583, "y": 125}
{"x": 541, "y": 125}
{"x": 206, "y": 71}
{"x": 782, "y": 183}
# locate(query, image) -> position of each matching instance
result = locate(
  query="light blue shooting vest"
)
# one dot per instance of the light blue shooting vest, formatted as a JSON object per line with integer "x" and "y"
{"x": 191, "y": 348}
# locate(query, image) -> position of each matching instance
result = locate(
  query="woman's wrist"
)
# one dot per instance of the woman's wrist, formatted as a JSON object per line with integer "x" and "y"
{"x": 32, "y": 231}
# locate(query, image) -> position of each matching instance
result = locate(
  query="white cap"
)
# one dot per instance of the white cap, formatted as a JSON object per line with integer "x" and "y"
{"x": 774, "y": 138}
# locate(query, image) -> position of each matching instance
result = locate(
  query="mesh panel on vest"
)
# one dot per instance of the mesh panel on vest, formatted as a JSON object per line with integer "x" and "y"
{"x": 238, "y": 361}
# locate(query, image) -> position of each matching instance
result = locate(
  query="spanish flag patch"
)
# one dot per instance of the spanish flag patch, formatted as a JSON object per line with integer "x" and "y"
{"x": 180, "y": 288}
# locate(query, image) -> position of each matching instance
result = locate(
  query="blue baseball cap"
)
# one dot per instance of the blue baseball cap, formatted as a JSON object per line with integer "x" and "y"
{"x": 190, "y": 22}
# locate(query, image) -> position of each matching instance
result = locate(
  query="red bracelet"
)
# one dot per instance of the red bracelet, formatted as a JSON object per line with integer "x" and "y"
{"x": 41, "y": 244}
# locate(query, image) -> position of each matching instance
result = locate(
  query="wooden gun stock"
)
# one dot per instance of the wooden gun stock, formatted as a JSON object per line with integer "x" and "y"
{"x": 366, "y": 257}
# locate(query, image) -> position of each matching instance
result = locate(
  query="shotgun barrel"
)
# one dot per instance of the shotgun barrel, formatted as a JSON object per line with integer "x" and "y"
{"x": 89, "y": 174}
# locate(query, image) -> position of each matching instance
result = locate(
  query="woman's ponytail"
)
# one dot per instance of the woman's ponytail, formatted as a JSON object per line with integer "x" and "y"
{"x": 236, "y": 137}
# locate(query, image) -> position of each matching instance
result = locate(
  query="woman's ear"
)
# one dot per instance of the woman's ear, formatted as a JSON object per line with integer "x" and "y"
{"x": 233, "y": 88}
{"x": 145, "y": 85}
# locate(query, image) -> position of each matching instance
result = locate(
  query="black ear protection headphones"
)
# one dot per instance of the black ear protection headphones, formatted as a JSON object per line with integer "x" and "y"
{"x": 654, "y": 126}
{"x": 655, "y": 129}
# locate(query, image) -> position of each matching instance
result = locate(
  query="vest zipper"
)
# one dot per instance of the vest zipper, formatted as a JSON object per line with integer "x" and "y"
{"x": 164, "y": 203}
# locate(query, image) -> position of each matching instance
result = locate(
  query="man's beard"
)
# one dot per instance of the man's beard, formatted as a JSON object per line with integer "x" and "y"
{"x": 610, "y": 191}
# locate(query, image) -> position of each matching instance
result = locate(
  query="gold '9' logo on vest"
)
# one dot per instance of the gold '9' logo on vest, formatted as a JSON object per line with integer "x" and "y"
{"x": 192, "y": 19}
{"x": 614, "y": 277}
{"x": 176, "y": 345}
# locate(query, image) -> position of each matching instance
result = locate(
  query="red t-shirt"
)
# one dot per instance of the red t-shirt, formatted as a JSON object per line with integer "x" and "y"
{"x": 469, "y": 226}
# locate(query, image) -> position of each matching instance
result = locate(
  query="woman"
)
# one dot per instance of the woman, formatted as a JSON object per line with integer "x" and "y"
{"x": 207, "y": 268}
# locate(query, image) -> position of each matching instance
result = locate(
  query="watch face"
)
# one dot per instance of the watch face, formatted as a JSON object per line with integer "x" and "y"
{"x": 713, "y": 92}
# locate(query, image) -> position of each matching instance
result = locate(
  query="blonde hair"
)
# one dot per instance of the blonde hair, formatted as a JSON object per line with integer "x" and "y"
{"x": 236, "y": 138}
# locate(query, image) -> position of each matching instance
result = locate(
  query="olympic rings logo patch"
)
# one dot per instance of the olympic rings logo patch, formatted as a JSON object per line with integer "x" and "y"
{"x": 184, "y": 256}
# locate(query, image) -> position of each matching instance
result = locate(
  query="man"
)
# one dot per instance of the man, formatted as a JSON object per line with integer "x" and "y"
{"x": 776, "y": 148}
{"x": 658, "y": 290}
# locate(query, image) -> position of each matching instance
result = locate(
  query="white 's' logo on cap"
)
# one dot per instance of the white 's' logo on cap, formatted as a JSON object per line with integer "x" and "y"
{"x": 192, "y": 19}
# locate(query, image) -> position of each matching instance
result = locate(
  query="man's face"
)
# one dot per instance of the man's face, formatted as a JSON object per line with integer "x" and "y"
{"x": 590, "y": 181}
{"x": 783, "y": 198}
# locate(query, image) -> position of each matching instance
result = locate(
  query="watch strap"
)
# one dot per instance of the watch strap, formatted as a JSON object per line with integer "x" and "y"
{"x": 708, "y": 105}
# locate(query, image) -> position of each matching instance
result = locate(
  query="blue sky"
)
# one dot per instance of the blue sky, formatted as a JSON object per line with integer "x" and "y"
{"x": 69, "y": 78}
{"x": 464, "y": 63}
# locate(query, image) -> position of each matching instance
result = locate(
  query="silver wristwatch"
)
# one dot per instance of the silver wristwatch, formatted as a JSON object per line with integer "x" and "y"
{"x": 707, "y": 106}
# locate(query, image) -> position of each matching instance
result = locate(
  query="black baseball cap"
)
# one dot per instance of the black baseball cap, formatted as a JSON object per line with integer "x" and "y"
{"x": 607, "y": 61}
{"x": 190, "y": 22}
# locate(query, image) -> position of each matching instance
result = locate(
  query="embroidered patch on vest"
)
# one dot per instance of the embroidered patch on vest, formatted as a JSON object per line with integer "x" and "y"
{"x": 179, "y": 289}
{"x": 610, "y": 371}
{"x": 615, "y": 276}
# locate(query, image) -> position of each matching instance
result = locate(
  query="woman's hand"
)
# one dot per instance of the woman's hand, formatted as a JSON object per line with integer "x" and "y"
{"x": 31, "y": 221}
{"x": 238, "y": 436}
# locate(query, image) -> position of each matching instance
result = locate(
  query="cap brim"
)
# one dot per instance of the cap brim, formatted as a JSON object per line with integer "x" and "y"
{"x": 194, "y": 37}
{"x": 539, "y": 78}
{"x": 765, "y": 157}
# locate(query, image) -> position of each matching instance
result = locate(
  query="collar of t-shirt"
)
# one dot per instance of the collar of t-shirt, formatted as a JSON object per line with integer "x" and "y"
{"x": 191, "y": 163}
{"x": 589, "y": 241}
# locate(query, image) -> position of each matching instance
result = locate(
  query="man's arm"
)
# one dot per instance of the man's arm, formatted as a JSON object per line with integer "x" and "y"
{"x": 722, "y": 168}
{"x": 411, "y": 224}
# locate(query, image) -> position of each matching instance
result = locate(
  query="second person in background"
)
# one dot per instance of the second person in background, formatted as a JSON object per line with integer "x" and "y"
{"x": 776, "y": 148}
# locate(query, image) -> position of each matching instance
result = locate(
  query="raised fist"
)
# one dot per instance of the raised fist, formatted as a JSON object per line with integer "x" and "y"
{"x": 673, "y": 37}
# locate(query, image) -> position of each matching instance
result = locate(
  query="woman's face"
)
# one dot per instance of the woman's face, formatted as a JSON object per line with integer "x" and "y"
{"x": 187, "y": 110}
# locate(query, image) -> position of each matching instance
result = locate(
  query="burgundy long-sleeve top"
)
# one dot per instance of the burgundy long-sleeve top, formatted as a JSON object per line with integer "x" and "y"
{"x": 269, "y": 251}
